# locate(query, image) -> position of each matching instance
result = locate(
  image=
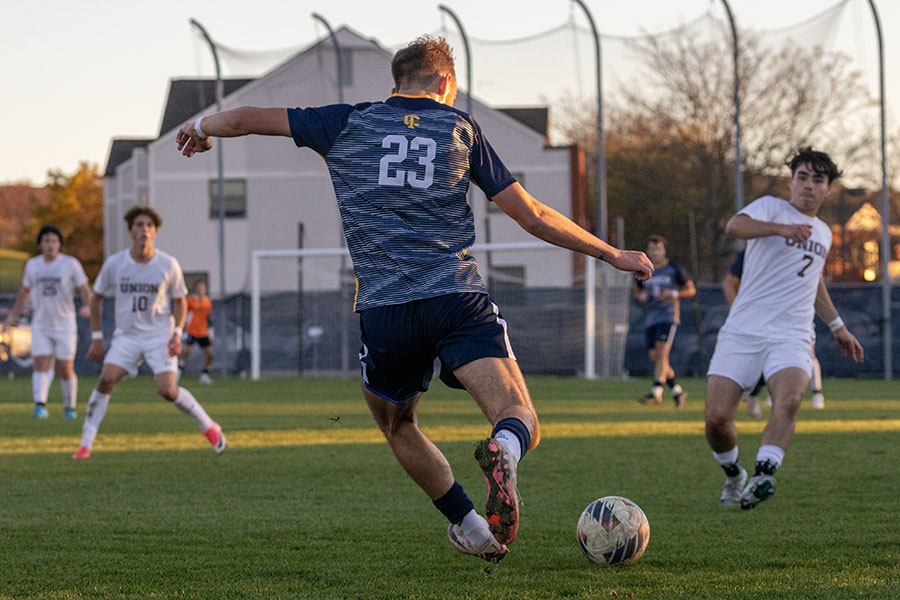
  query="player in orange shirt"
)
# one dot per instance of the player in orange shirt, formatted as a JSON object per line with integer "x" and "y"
{"x": 199, "y": 308}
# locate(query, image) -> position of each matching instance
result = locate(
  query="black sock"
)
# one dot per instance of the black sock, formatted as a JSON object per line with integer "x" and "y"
{"x": 671, "y": 382}
{"x": 455, "y": 504}
{"x": 732, "y": 470}
{"x": 765, "y": 467}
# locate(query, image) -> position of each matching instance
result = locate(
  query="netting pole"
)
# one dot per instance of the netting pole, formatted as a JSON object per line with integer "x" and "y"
{"x": 885, "y": 217}
{"x": 345, "y": 346}
{"x": 254, "y": 315}
{"x": 222, "y": 338}
{"x": 465, "y": 41}
{"x": 738, "y": 168}
{"x": 602, "y": 226}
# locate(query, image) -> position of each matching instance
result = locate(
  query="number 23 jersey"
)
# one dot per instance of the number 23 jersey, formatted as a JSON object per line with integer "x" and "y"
{"x": 142, "y": 291}
{"x": 776, "y": 298}
{"x": 400, "y": 171}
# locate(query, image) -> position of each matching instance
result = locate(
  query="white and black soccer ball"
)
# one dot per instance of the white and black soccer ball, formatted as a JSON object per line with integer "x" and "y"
{"x": 613, "y": 531}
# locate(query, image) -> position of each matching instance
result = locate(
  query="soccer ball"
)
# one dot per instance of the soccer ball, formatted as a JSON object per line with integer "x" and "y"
{"x": 613, "y": 531}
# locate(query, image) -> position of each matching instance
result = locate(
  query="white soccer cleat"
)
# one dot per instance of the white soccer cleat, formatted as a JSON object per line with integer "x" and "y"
{"x": 731, "y": 491}
{"x": 205, "y": 378}
{"x": 492, "y": 550}
{"x": 759, "y": 488}
{"x": 818, "y": 400}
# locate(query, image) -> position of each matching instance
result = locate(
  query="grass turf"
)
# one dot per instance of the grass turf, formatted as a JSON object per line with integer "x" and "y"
{"x": 308, "y": 501}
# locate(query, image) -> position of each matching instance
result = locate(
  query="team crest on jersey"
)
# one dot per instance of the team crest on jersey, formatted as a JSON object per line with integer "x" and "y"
{"x": 411, "y": 121}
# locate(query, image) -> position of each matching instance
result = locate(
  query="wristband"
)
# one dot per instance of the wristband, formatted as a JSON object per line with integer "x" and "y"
{"x": 177, "y": 331}
{"x": 675, "y": 294}
{"x": 96, "y": 335}
{"x": 197, "y": 128}
{"x": 836, "y": 324}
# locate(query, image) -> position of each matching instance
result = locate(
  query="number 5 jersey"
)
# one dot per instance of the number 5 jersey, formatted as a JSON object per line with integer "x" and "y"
{"x": 142, "y": 291}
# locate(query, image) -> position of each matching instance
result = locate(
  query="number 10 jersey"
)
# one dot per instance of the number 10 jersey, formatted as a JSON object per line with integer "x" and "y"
{"x": 142, "y": 291}
{"x": 400, "y": 171}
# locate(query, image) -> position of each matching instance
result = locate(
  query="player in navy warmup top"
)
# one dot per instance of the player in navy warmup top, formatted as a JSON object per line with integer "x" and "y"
{"x": 400, "y": 170}
{"x": 662, "y": 293}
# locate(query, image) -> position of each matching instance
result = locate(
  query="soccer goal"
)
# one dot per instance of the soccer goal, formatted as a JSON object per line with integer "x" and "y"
{"x": 567, "y": 315}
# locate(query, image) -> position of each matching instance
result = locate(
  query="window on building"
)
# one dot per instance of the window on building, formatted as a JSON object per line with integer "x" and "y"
{"x": 235, "y": 198}
{"x": 192, "y": 277}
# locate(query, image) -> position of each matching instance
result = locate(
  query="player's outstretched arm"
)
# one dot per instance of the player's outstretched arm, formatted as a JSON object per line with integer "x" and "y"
{"x": 193, "y": 137}
{"x": 547, "y": 224}
{"x": 745, "y": 228}
{"x": 850, "y": 346}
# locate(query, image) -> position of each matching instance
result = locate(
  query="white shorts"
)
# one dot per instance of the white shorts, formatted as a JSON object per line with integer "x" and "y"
{"x": 127, "y": 351}
{"x": 742, "y": 358}
{"x": 60, "y": 343}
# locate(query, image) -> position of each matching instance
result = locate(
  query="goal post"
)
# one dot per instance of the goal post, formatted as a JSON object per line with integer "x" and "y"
{"x": 569, "y": 313}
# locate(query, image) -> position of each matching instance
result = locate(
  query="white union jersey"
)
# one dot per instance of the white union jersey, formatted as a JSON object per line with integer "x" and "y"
{"x": 142, "y": 291}
{"x": 776, "y": 298}
{"x": 51, "y": 286}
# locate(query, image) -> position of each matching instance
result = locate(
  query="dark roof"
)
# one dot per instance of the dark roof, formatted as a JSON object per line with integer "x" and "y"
{"x": 534, "y": 118}
{"x": 187, "y": 97}
{"x": 120, "y": 151}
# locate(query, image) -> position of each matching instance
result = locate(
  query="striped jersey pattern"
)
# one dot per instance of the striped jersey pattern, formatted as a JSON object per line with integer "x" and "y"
{"x": 400, "y": 171}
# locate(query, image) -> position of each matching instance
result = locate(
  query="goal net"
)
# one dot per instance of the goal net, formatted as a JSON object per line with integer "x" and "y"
{"x": 567, "y": 315}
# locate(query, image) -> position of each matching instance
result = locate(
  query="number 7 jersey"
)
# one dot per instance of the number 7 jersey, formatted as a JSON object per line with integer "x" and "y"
{"x": 142, "y": 291}
{"x": 400, "y": 171}
{"x": 776, "y": 298}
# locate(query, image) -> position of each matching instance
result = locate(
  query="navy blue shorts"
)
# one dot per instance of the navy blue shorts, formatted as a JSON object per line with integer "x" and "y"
{"x": 661, "y": 332}
{"x": 400, "y": 342}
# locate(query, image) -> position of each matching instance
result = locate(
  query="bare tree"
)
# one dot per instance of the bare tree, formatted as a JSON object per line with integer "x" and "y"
{"x": 669, "y": 135}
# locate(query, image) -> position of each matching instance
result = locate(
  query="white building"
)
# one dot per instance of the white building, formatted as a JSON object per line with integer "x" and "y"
{"x": 280, "y": 196}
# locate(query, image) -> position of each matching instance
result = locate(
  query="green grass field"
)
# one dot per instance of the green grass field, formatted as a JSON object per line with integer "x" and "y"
{"x": 308, "y": 501}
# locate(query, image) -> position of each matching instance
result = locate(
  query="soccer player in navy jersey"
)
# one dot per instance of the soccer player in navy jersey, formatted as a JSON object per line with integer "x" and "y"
{"x": 400, "y": 170}
{"x": 662, "y": 293}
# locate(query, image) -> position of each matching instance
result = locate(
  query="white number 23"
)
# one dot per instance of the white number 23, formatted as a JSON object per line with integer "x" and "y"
{"x": 401, "y": 176}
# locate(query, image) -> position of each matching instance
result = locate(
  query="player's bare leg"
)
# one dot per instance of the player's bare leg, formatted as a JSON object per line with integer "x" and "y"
{"x": 498, "y": 387}
{"x": 722, "y": 398}
{"x": 428, "y": 467}
{"x": 787, "y": 388}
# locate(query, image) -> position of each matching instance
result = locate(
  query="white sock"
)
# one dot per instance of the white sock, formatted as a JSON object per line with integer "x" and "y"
{"x": 728, "y": 457}
{"x": 40, "y": 385}
{"x": 677, "y": 390}
{"x": 70, "y": 391}
{"x": 771, "y": 453}
{"x": 510, "y": 441}
{"x": 475, "y": 528}
{"x": 186, "y": 402}
{"x": 96, "y": 410}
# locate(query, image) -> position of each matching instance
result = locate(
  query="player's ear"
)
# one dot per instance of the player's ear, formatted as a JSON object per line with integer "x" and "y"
{"x": 443, "y": 85}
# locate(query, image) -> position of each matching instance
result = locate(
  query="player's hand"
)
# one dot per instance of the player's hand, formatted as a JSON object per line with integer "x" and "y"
{"x": 850, "y": 346}
{"x": 643, "y": 296}
{"x": 96, "y": 351}
{"x": 797, "y": 232}
{"x": 189, "y": 142}
{"x": 633, "y": 260}
{"x": 85, "y": 312}
{"x": 175, "y": 345}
